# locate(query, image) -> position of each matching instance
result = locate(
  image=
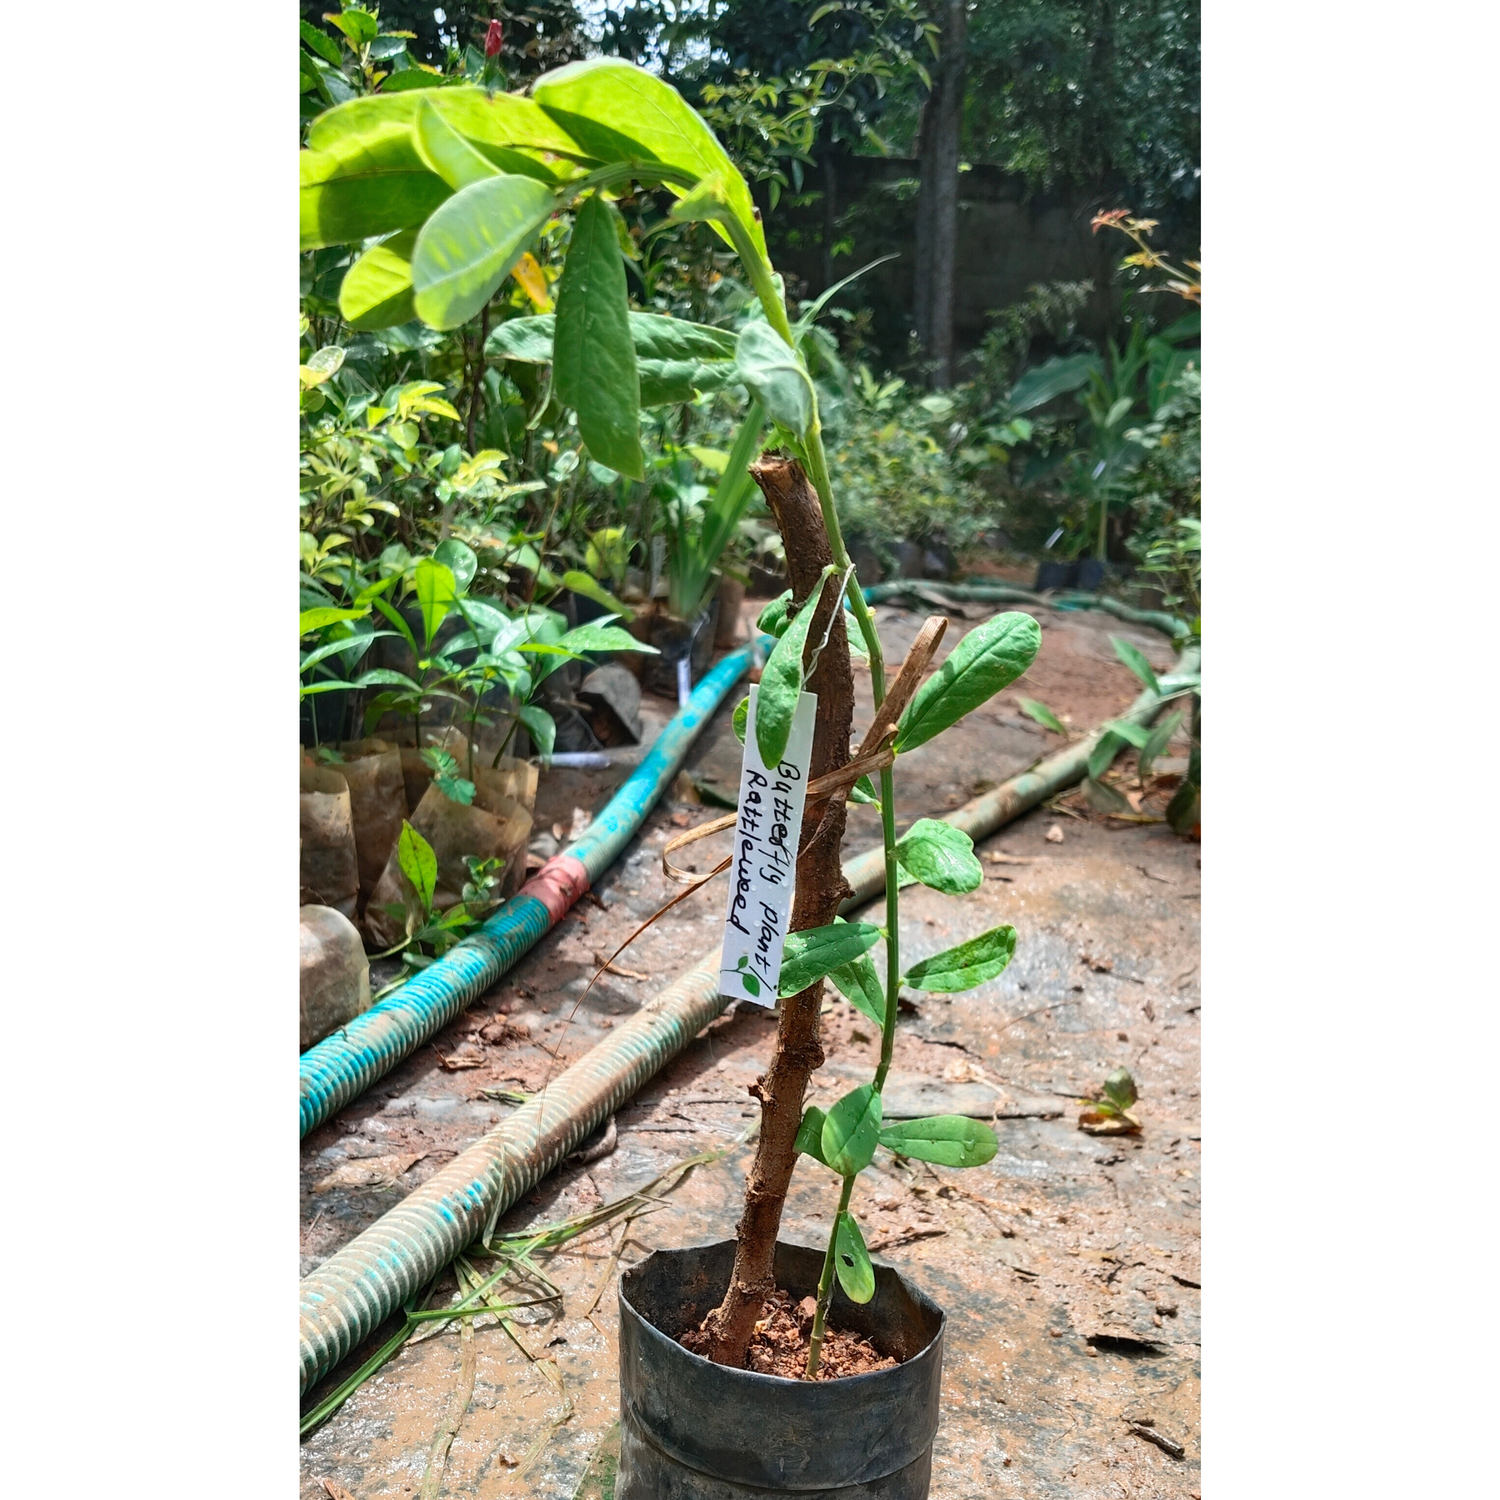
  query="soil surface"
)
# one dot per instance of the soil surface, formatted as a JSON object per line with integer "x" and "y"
{"x": 783, "y": 1337}
{"x": 1068, "y": 1265}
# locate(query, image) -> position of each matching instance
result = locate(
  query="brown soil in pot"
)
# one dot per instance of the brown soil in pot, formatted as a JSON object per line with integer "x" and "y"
{"x": 781, "y": 1341}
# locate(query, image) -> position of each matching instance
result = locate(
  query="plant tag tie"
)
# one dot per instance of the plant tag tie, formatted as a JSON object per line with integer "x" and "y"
{"x": 763, "y": 868}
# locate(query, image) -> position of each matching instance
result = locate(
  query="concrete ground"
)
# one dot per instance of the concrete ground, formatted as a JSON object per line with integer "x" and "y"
{"x": 1068, "y": 1265}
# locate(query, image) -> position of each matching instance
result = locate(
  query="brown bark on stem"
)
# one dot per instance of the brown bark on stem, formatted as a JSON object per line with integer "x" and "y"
{"x": 820, "y": 891}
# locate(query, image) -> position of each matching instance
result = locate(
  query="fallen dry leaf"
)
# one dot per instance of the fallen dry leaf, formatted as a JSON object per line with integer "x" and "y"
{"x": 680, "y": 819}
{"x": 334, "y": 1490}
{"x": 999, "y": 857}
{"x": 962, "y": 1070}
{"x": 462, "y": 1057}
{"x": 612, "y": 968}
{"x": 370, "y": 1171}
{"x": 581, "y": 820}
{"x": 1055, "y": 834}
{"x": 1094, "y": 1123}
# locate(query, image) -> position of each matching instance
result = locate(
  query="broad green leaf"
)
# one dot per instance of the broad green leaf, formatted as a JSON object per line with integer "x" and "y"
{"x": 446, "y": 152}
{"x": 741, "y": 718}
{"x": 398, "y": 620}
{"x": 647, "y": 119}
{"x": 460, "y": 559}
{"x": 860, "y": 985}
{"x": 541, "y": 726}
{"x": 1102, "y": 755}
{"x": 781, "y": 682}
{"x": 852, "y": 1261}
{"x": 358, "y": 24}
{"x": 351, "y": 648}
{"x": 528, "y": 340}
{"x": 670, "y": 382}
{"x": 1054, "y": 378}
{"x": 376, "y": 291}
{"x": 810, "y": 1134}
{"x": 467, "y": 247}
{"x": 940, "y": 856}
{"x": 659, "y": 337}
{"x": 1136, "y": 662}
{"x": 774, "y": 374}
{"x": 593, "y": 368}
{"x": 367, "y": 186}
{"x": 581, "y": 583}
{"x": 418, "y": 863}
{"x": 810, "y": 954}
{"x": 412, "y": 78}
{"x": 863, "y": 791}
{"x": 964, "y": 967}
{"x": 321, "y": 43}
{"x": 386, "y": 677}
{"x": 852, "y": 1131}
{"x": 1157, "y": 743}
{"x": 1043, "y": 715}
{"x": 324, "y": 615}
{"x": 948, "y": 1140}
{"x": 490, "y": 121}
{"x": 437, "y": 592}
{"x": 988, "y": 658}
{"x": 596, "y": 637}
{"x": 773, "y": 618}
{"x": 1119, "y": 1088}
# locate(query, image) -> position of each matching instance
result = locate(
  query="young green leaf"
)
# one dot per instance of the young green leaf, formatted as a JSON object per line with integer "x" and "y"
{"x": 596, "y": 637}
{"x": 577, "y": 582}
{"x": 810, "y": 955}
{"x": 774, "y": 617}
{"x": 468, "y": 246}
{"x": 940, "y": 856}
{"x": 860, "y": 985}
{"x": 948, "y": 1140}
{"x": 852, "y": 1261}
{"x": 325, "y": 614}
{"x": 774, "y": 374}
{"x": 619, "y": 112}
{"x": 446, "y": 152}
{"x": 364, "y": 186}
{"x": 1157, "y": 742}
{"x": 1136, "y": 662}
{"x": 418, "y": 863}
{"x": 852, "y": 1131}
{"x": 1043, "y": 715}
{"x": 1101, "y": 757}
{"x": 810, "y": 1134}
{"x": 594, "y": 368}
{"x": 1119, "y": 1088}
{"x": 781, "y": 682}
{"x": 437, "y": 592}
{"x": 863, "y": 791}
{"x": 376, "y": 291}
{"x": 528, "y": 340}
{"x": 964, "y": 967}
{"x": 988, "y": 658}
{"x": 460, "y": 559}
{"x": 541, "y": 726}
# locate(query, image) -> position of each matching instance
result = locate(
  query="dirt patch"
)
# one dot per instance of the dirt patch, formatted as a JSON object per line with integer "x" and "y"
{"x": 783, "y": 1336}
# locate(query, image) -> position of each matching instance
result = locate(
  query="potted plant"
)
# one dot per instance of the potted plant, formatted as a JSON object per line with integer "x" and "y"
{"x": 696, "y": 1420}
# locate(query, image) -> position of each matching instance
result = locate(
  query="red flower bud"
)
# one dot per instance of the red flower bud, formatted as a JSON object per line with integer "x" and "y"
{"x": 494, "y": 39}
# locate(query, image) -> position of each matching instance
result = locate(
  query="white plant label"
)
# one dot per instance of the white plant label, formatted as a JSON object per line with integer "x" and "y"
{"x": 763, "y": 872}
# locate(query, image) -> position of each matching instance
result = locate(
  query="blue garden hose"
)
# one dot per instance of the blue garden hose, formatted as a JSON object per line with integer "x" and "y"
{"x": 342, "y": 1066}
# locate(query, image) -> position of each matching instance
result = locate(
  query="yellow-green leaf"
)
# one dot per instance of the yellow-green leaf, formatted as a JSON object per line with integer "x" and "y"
{"x": 377, "y": 290}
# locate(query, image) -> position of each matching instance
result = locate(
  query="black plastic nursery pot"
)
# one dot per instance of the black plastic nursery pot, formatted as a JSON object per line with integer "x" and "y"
{"x": 676, "y": 639}
{"x": 1090, "y": 574}
{"x": 1056, "y": 575}
{"x": 694, "y": 1430}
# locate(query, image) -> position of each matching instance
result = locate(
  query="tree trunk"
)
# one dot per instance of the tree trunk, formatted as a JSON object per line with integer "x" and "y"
{"x": 937, "y": 200}
{"x": 820, "y": 891}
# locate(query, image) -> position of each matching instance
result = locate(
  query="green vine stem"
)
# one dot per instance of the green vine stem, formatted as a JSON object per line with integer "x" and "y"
{"x": 825, "y": 1284}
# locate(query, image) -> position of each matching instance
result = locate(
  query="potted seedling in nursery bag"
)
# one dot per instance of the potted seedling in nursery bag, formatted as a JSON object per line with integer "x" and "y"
{"x": 698, "y": 1418}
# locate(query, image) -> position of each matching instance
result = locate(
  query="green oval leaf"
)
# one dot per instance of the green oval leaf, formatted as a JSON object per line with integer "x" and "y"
{"x": 863, "y": 790}
{"x": 418, "y": 863}
{"x": 948, "y": 1140}
{"x": 376, "y": 290}
{"x": 852, "y": 1261}
{"x": 809, "y": 955}
{"x": 437, "y": 592}
{"x": 940, "y": 856}
{"x": 593, "y": 368}
{"x": 447, "y": 154}
{"x": 366, "y": 186}
{"x": 1136, "y": 662}
{"x": 541, "y": 726}
{"x": 528, "y": 340}
{"x": 773, "y": 372}
{"x": 741, "y": 718}
{"x": 852, "y": 1131}
{"x": 1108, "y": 745}
{"x": 965, "y": 966}
{"x": 988, "y": 658}
{"x": 1157, "y": 743}
{"x": 781, "y": 682}
{"x": 1043, "y": 715}
{"x": 773, "y": 618}
{"x": 468, "y": 246}
{"x": 810, "y": 1134}
{"x": 459, "y": 558}
{"x": 596, "y": 637}
{"x": 860, "y": 985}
{"x": 618, "y": 112}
